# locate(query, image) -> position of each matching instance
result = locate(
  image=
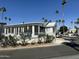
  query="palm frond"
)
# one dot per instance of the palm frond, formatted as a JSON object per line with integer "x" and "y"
{"x": 64, "y": 2}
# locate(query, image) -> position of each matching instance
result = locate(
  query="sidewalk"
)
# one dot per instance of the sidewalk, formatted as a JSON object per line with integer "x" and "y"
{"x": 56, "y": 42}
{"x": 59, "y": 41}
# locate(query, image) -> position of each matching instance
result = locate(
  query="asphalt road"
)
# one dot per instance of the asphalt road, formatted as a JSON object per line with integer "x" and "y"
{"x": 66, "y": 57}
{"x": 39, "y": 53}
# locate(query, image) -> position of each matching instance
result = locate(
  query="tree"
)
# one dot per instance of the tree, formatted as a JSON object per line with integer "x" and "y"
{"x": 77, "y": 21}
{"x": 50, "y": 21}
{"x": 2, "y": 10}
{"x": 23, "y": 37}
{"x": 62, "y": 21}
{"x": 65, "y": 29}
{"x": 57, "y": 12}
{"x": 63, "y": 3}
{"x": 72, "y": 23}
{"x": 12, "y": 41}
{"x": 44, "y": 20}
{"x": 7, "y": 18}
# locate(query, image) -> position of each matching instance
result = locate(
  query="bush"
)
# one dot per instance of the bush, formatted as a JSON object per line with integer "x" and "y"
{"x": 49, "y": 39}
{"x": 39, "y": 42}
{"x": 12, "y": 41}
{"x": 24, "y": 37}
{"x": 40, "y": 37}
{"x": 3, "y": 41}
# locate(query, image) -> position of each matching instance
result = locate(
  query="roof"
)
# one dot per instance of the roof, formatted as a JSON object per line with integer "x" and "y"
{"x": 46, "y": 24}
{"x": 51, "y": 24}
{"x": 29, "y": 24}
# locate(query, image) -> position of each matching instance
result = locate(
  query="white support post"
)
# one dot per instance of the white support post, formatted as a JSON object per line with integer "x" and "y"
{"x": 23, "y": 29}
{"x": 4, "y": 30}
{"x": 33, "y": 31}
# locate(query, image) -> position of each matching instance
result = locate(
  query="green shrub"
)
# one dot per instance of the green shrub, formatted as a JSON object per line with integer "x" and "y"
{"x": 49, "y": 39}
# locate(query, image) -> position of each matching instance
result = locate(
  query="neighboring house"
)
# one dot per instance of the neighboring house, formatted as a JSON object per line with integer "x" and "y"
{"x": 78, "y": 31}
{"x": 72, "y": 30}
{"x": 33, "y": 28}
{"x": 77, "y": 28}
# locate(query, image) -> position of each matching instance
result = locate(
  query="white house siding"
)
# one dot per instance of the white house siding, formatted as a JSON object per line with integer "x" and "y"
{"x": 50, "y": 29}
{"x": 5, "y": 30}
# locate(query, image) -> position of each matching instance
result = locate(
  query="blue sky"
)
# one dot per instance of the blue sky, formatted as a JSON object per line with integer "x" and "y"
{"x": 34, "y": 10}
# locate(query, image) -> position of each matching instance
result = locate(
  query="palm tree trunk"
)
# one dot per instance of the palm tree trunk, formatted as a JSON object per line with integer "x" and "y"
{"x": 63, "y": 16}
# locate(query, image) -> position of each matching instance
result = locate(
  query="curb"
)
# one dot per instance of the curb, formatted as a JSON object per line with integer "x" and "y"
{"x": 27, "y": 47}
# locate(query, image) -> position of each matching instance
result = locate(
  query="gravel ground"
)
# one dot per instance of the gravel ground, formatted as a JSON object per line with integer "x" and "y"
{"x": 56, "y": 42}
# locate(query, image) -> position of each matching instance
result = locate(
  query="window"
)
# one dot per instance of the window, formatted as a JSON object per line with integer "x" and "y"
{"x": 12, "y": 30}
{"x": 36, "y": 30}
{"x": 20, "y": 29}
{"x": 17, "y": 30}
{"x": 30, "y": 29}
{"x": 42, "y": 29}
{"x": 25, "y": 29}
{"x": 6, "y": 30}
{"x": 9, "y": 30}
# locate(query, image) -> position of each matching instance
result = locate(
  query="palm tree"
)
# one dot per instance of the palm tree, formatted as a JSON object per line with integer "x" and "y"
{"x": 63, "y": 3}
{"x": 44, "y": 20}
{"x": 72, "y": 24}
{"x": 2, "y": 10}
{"x": 57, "y": 12}
{"x": 63, "y": 24}
{"x": 62, "y": 21}
{"x": 59, "y": 21}
{"x": 7, "y": 18}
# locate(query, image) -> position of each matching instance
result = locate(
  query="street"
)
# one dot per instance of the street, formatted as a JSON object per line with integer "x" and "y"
{"x": 67, "y": 57}
{"x": 39, "y": 53}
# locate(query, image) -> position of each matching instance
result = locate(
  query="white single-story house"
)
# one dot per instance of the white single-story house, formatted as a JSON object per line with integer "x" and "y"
{"x": 34, "y": 28}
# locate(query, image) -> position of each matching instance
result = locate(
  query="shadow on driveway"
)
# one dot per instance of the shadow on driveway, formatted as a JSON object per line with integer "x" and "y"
{"x": 72, "y": 45}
